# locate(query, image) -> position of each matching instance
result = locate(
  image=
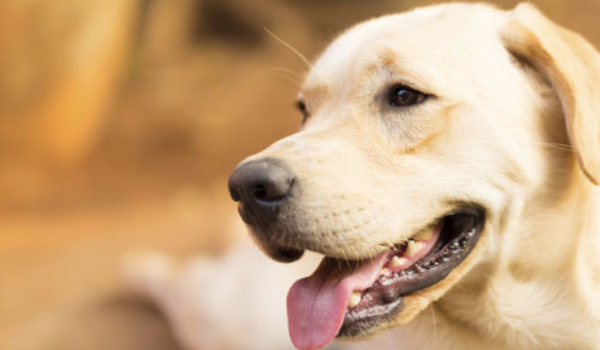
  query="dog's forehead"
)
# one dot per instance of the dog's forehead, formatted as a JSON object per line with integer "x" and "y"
{"x": 414, "y": 36}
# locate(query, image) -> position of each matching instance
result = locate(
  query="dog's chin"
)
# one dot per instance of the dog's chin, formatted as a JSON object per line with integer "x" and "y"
{"x": 278, "y": 253}
{"x": 403, "y": 280}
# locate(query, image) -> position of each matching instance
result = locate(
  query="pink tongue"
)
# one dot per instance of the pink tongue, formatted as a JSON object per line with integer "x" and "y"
{"x": 316, "y": 305}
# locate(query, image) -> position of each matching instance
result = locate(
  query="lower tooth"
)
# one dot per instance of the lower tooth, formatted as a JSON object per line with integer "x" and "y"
{"x": 396, "y": 261}
{"x": 354, "y": 299}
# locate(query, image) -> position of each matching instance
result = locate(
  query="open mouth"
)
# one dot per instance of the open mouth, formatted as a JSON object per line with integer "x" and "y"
{"x": 348, "y": 298}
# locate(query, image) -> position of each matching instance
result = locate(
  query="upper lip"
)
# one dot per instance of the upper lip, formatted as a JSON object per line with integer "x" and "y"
{"x": 284, "y": 249}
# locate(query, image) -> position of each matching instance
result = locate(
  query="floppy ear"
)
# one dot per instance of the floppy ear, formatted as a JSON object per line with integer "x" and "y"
{"x": 572, "y": 65}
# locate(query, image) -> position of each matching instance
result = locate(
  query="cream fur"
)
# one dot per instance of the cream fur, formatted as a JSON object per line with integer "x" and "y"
{"x": 513, "y": 127}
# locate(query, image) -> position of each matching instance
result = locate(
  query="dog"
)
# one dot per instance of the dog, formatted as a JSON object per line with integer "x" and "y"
{"x": 446, "y": 170}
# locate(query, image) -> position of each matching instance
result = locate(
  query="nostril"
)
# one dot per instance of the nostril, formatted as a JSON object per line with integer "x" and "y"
{"x": 272, "y": 190}
{"x": 262, "y": 183}
{"x": 260, "y": 193}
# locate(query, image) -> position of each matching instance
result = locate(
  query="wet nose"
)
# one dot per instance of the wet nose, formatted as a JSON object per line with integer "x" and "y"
{"x": 261, "y": 186}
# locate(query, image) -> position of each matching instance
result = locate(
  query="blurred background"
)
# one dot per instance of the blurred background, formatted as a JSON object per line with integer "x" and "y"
{"x": 119, "y": 123}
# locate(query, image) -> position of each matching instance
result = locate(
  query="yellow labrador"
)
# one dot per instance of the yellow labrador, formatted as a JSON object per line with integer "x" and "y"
{"x": 446, "y": 169}
{"x": 447, "y": 160}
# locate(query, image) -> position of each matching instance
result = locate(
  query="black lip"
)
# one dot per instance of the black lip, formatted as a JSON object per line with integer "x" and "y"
{"x": 384, "y": 299}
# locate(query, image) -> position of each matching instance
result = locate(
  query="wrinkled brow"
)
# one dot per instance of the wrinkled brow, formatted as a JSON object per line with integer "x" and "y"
{"x": 386, "y": 58}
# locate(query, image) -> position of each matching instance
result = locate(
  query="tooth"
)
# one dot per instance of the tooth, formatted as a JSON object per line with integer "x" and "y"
{"x": 384, "y": 271}
{"x": 413, "y": 247}
{"x": 354, "y": 299}
{"x": 423, "y": 235}
{"x": 397, "y": 261}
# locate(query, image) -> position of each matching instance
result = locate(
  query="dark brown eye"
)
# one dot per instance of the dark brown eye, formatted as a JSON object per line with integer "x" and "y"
{"x": 301, "y": 105}
{"x": 402, "y": 96}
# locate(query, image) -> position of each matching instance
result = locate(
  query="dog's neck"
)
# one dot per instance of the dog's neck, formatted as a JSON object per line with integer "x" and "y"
{"x": 544, "y": 292}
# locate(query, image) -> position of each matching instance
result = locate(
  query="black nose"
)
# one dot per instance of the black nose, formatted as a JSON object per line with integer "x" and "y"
{"x": 261, "y": 185}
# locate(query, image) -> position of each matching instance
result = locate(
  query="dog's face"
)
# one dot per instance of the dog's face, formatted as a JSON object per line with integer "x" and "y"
{"x": 423, "y": 139}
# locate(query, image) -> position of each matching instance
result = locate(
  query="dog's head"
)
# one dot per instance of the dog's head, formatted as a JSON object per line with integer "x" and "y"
{"x": 425, "y": 138}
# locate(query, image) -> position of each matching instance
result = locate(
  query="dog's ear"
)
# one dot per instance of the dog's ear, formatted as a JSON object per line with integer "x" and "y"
{"x": 572, "y": 65}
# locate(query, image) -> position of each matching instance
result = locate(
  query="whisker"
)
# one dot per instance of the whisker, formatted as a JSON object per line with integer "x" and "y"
{"x": 559, "y": 146}
{"x": 281, "y": 70}
{"x": 289, "y": 46}
{"x": 432, "y": 308}
{"x": 288, "y": 78}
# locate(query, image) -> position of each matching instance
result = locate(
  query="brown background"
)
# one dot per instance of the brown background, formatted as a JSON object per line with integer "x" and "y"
{"x": 119, "y": 122}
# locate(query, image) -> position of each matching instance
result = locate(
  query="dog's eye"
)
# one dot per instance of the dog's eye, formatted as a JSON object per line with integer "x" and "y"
{"x": 402, "y": 96}
{"x": 301, "y": 105}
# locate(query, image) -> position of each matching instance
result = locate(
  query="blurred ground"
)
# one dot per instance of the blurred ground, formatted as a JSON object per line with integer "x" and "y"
{"x": 119, "y": 122}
